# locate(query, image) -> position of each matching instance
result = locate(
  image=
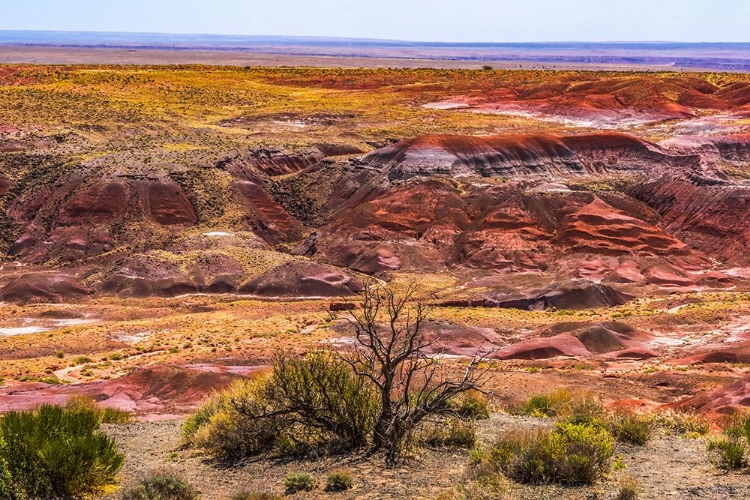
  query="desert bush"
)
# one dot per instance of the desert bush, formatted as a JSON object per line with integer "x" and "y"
{"x": 55, "y": 452}
{"x": 221, "y": 430}
{"x": 630, "y": 427}
{"x": 161, "y": 486}
{"x": 256, "y": 495}
{"x": 453, "y": 433}
{"x": 339, "y": 481}
{"x": 115, "y": 416}
{"x": 557, "y": 403}
{"x": 304, "y": 404}
{"x": 727, "y": 452}
{"x": 325, "y": 394}
{"x": 538, "y": 406}
{"x": 686, "y": 423}
{"x": 105, "y": 415}
{"x": 570, "y": 454}
{"x": 299, "y": 481}
{"x": 627, "y": 488}
{"x": 471, "y": 404}
{"x": 391, "y": 352}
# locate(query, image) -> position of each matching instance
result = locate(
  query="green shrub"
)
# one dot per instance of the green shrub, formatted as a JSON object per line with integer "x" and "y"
{"x": 105, "y": 415}
{"x": 453, "y": 433}
{"x": 683, "y": 422}
{"x": 115, "y": 416}
{"x": 302, "y": 406}
{"x": 56, "y": 452}
{"x": 256, "y": 495}
{"x": 557, "y": 403}
{"x": 570, "y": 454}
{"x": 161, "y": 487}
{"x": 221, "y": 430}
{"x": 727, "y": 452}
{"x": 339, "y": 481}
{"x": 7, "y": 486}
{"x": 299, "y": 481}
{"x": 631, "y": 428}
{"x": 538, "y": 406}
{"x": 473, "y": 405}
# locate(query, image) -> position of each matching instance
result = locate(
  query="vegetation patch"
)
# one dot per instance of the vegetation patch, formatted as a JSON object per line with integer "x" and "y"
{"x": 55, "y": 452}
{"x": 568, "y": 454}
{"x": 161, "y": 487}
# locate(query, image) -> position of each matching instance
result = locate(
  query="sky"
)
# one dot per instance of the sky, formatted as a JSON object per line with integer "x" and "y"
{"x": 418, "y": 20}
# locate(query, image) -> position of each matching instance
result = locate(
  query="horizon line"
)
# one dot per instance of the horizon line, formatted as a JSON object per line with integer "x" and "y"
{"x": 371, "y": 40}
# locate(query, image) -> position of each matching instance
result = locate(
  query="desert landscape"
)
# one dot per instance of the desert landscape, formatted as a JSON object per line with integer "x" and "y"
{"x": 167, "y": 229}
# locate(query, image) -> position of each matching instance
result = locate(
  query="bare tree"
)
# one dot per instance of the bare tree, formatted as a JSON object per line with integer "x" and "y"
{"x": 392, "y": 351}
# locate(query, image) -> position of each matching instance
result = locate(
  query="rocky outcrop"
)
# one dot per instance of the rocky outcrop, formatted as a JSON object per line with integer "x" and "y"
{"x": 521, "y": 156}
{"x": 273, "y": 161}
{"x": 714, "y": 219}
{"x": 303, "y": 279}
{"x": 43, "y": 287}
{"x": 574, "y": 294}
{"x": 544, "y": 348}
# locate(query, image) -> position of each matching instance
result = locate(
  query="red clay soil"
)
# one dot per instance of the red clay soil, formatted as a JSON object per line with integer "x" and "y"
{"x": 574, "y": 294}
{"x": 167, "y": 203}
{"x": 265, "y": 217}
{"x": 736, "y": 353}
{"x": 461, "y": 340}
{"x": 724, "y": 400}
{"x": 154, "y": 390}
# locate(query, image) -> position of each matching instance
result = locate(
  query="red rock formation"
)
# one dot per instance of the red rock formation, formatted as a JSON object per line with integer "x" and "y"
{"x": 575, "y": 294}
{"x": 544, "y": 348}
{"x": 167, "y": 203}
{"x": 43, "y": 287}
{"x": 714, "y": 219}
{"x": 4, "y": 184}
{"x": 303, "y": 279}
{"x": 278, "y": 162}
{"x": 724, "y": 400}
{"x": 520, "y": 155}
{"x": 160, "y": 389}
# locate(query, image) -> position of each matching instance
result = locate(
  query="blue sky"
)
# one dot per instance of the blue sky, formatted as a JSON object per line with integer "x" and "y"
{"x": 423, "y": 20}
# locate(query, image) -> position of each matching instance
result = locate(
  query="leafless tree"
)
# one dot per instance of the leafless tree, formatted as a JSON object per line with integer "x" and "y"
{"x": 391, "y": 351}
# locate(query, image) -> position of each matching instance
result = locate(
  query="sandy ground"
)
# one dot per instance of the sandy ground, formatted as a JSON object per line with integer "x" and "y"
{"x": 667, "y": 467}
